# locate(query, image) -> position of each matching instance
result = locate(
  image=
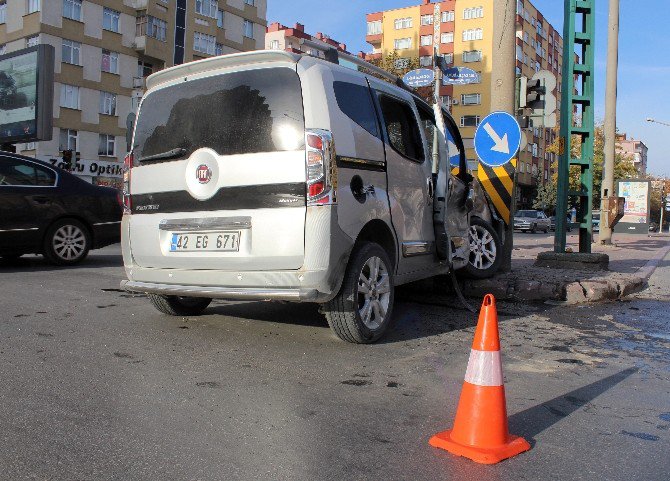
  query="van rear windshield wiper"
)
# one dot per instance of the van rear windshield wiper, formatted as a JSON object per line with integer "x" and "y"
{"x": 170, "y": 154}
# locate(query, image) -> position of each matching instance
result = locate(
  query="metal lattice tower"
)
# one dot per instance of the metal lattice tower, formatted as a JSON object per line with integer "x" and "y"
{"x": 577, "y": 118}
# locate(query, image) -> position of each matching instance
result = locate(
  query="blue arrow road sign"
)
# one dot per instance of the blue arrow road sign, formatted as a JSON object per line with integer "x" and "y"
{"x": 497, "y": 139}
{"x": 420, "y": 77}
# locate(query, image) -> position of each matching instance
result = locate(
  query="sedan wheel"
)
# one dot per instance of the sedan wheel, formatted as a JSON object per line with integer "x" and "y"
{"x": 67, "y": 242}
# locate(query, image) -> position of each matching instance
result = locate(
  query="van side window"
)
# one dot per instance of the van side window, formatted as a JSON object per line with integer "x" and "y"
{"x": 356, "y": 103}
{"x": 427, "y": 122}
{"x": 401, "y": 127}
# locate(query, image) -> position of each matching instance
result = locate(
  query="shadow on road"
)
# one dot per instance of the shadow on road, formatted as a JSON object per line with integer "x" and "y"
{"x": 532, "y": 421}
{"x": 40, "y": 264}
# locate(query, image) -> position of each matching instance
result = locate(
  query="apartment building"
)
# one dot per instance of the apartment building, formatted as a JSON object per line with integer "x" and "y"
{"x": 465, "y": 39}
{"x": 105, "y": 49}
{"x": 281, "y": 37}
{"x": 634, "y": 150}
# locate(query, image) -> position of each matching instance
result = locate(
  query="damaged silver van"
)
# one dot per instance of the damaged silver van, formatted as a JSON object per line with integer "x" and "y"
{"x": 270, "y": 175}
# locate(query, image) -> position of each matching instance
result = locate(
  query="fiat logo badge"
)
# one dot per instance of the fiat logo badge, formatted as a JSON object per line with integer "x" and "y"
{"x": 203, "y": 174}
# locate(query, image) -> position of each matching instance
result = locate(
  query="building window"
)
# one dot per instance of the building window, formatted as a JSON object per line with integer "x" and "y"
{"x": 474, "y": 12}
{"x": 426, "y": 61}
{"x": 402, "y": 43}
{"x": 403, "y": 23}
{"x": 144, "y": 69}
{"x": 32, "y": 41}
{"x": 470, "y": 99}
{"x": 473, "y": 34}
{"x": 448, "y": 16}
{"x": 470, "y": 121}
{"x": 274, "y": 45}
{"x": 446, "y": 100}
{"x": 375, "y": 28}
{"x": 3, "y": 12}
{"x": 69, "y": 96}
{"x": 207, "y": 8}
{"x": 519, "y": 7}
{"x": 448, "y": 58}
{"x": 248, "y": 29}
{"x": 447, "y": 37}
{"x": 519, "y": 53}
{"x": 107, "y": 103}
{"x": 426, "y": 40}
{"x": 110, "y": 62}
{"x": 110, "y": 19}
{"x": 218, "y": 49}
{"x": 426, "y": 19}
{"x": 68, "y": 140}
{"x": 150, "y": 26}
{"x": 204, "y": 43}
{"x": 250, "y": 2}
{"x": 71, "y": 51}
{"x": 107, "y": 145}
{"x": 33, "y": 6}
{"x": 472, "y": 56}
{"x": 401, "y": 63}
{"x": 219, "y": 18}
{"x": 72, "y": 9}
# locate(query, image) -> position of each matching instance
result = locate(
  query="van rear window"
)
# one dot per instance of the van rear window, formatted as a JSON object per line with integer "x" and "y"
{"x": 236, "y": 113}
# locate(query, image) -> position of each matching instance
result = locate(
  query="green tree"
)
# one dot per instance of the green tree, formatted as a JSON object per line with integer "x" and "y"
{"x": 545, "y": 197}
{"x": 624, "y": 168}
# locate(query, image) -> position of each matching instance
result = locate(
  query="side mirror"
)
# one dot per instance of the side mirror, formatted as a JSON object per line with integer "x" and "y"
{"x": 130, "y": 125}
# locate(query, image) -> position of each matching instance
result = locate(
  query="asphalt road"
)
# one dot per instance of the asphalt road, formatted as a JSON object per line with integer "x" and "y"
{"x": 97, "y": 385}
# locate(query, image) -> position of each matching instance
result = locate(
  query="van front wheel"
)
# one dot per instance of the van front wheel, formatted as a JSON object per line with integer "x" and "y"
{"x": 361, "y": 311}
{"x": 179, "y": 306}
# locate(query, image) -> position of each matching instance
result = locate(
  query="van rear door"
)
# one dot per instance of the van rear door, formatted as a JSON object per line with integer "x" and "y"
{"x": 219, "y": 172}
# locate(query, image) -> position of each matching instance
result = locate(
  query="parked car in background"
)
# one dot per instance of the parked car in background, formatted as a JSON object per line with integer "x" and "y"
{"x": 596, "y": 221}
{"x": 552, "y": 220}
{"x": 531, "y": 221}
{"x": 45, "y": 210}
{"x": 653, "y": 227}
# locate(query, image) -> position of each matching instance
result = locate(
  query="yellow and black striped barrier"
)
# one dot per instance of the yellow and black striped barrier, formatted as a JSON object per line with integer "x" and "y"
{"x": 498, "y": 182}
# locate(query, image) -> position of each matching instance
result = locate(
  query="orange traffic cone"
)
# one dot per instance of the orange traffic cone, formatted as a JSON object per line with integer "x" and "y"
{"x": 480, "y": 430}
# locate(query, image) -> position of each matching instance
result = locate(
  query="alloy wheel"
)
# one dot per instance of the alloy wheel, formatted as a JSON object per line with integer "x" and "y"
{"x": 374, "y": 293}
{"x": 69, "y": 242}
{"x": 483, "y": 249}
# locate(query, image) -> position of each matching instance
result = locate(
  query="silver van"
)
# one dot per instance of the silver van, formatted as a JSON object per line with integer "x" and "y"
{"x": 275, "y": 176}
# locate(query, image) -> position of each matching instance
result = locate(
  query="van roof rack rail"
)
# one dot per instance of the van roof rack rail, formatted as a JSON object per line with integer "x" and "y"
{"x": 333, "y": 55}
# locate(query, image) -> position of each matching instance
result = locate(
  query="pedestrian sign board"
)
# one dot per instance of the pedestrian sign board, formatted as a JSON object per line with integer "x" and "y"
{"x": 497, "y": 139}
{"x": 421, "y": 77}
{"x": 637, "y": 205}
{"x": 460, "y": 76}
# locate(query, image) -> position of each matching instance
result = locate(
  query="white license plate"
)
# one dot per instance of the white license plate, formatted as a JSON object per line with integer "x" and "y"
{"x": 227, "y": 241}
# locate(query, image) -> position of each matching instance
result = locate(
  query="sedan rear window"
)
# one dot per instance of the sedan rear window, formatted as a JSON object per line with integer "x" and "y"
{"x": 237, "y": 113}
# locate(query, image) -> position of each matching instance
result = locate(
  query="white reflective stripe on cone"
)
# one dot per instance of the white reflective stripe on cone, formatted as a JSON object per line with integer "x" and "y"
{"x": 484, "y": 368}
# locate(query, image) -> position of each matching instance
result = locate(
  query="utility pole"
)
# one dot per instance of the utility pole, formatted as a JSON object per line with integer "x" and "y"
{"x": 503, "y": 91}
{"x": 605, "y": 234}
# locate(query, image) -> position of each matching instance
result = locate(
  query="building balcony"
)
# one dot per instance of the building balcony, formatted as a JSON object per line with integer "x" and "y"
{"x": 374, "y": 40}
{"x": 139, "y": 4}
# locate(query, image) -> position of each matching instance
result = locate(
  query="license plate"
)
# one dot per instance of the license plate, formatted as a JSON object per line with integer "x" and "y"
{"x": 205, "y": 242}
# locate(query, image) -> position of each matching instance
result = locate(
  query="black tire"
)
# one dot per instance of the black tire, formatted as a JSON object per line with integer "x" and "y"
{"x": 179, "y": 306}
{"x": 533, "y": 229}
{"x": 66, "y": 242}
{"x": 344, "y": 311}
{"x": 478, "y": 246}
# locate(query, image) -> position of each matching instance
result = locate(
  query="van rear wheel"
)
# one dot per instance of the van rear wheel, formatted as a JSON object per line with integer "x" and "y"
{"x": 178, "y": 305}
{"x": 361, "y": 311}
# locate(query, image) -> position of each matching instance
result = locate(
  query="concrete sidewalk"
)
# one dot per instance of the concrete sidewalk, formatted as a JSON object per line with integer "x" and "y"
{"x": 633, "y": 258}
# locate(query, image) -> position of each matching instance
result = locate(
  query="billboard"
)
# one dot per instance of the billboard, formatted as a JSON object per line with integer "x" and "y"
{"x": 26, "y": 94}
{"x": 635, "y": 219}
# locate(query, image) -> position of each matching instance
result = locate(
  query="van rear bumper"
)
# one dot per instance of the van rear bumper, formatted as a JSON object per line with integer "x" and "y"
{"x": 232, "y": 293}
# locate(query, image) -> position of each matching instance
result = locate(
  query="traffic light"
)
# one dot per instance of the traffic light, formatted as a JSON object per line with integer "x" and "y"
{"x": 67, "y": 159}
{"x": 537, "y": 94}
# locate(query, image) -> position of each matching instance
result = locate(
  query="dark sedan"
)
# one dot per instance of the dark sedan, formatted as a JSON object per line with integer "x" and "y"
{"x": 45, "y": 210}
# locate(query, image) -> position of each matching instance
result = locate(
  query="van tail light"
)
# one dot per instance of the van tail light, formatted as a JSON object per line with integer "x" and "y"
{"x": 321, "y": 167}
{"x": 125, "y": 194}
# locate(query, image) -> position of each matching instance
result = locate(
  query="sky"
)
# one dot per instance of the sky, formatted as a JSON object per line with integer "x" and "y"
{"x": 644, "y": 55}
